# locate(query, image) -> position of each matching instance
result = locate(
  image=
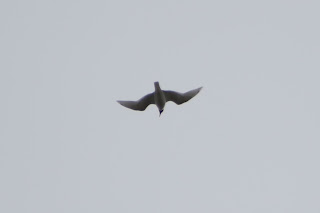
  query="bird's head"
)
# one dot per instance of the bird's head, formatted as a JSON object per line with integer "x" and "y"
{"x": 160, "y": 111}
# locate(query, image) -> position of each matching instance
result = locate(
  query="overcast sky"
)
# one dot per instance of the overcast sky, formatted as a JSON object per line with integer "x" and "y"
{"x": 248, "y": 142}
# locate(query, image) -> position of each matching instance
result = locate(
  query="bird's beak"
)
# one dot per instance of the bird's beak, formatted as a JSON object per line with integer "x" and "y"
{"x": 160, "y": 112}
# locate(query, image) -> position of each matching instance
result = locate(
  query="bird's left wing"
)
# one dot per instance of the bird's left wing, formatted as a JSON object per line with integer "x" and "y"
{"x": 180, "y": 98}
{"x": 139, "y": 105}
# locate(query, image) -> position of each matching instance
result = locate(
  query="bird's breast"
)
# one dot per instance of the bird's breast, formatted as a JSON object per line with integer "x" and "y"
{"x": 160, "y": 99}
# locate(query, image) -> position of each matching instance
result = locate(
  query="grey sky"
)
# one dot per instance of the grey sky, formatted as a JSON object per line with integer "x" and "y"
{"x": 249, "y": 142}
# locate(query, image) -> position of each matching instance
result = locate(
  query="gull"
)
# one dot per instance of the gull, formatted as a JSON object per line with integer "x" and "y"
{"x": 159, "y": 97}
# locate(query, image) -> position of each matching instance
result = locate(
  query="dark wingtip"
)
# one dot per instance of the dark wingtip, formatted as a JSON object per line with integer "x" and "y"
{"x": 120, "y": 102}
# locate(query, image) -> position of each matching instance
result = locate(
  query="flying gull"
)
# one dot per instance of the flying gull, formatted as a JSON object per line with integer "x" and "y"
{"x": 159, "y": 97}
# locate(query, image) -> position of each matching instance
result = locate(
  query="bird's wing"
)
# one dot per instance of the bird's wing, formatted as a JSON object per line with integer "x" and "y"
{"x": 180, "y": 98}
{"x": 139, "y": 105}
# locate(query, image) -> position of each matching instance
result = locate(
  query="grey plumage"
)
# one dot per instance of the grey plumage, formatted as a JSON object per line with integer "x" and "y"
{"x": 159, "y": 97}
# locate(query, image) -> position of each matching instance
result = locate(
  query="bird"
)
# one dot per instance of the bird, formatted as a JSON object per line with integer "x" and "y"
{"x": 159, "y": 97}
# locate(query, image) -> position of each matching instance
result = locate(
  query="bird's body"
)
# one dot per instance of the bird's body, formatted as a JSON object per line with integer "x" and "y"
{"x": 159, "y": 97}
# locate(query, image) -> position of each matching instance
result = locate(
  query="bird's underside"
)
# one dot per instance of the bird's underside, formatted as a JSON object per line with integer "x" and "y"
{"x": 176, "y": 97}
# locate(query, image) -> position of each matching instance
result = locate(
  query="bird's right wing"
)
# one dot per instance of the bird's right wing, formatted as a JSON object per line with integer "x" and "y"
{"x": 139, "y": 105}
{"x": 180, "y": 98}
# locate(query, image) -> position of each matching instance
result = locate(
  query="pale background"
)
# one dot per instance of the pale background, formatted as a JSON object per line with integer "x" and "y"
{"x": 248, "y": 143}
